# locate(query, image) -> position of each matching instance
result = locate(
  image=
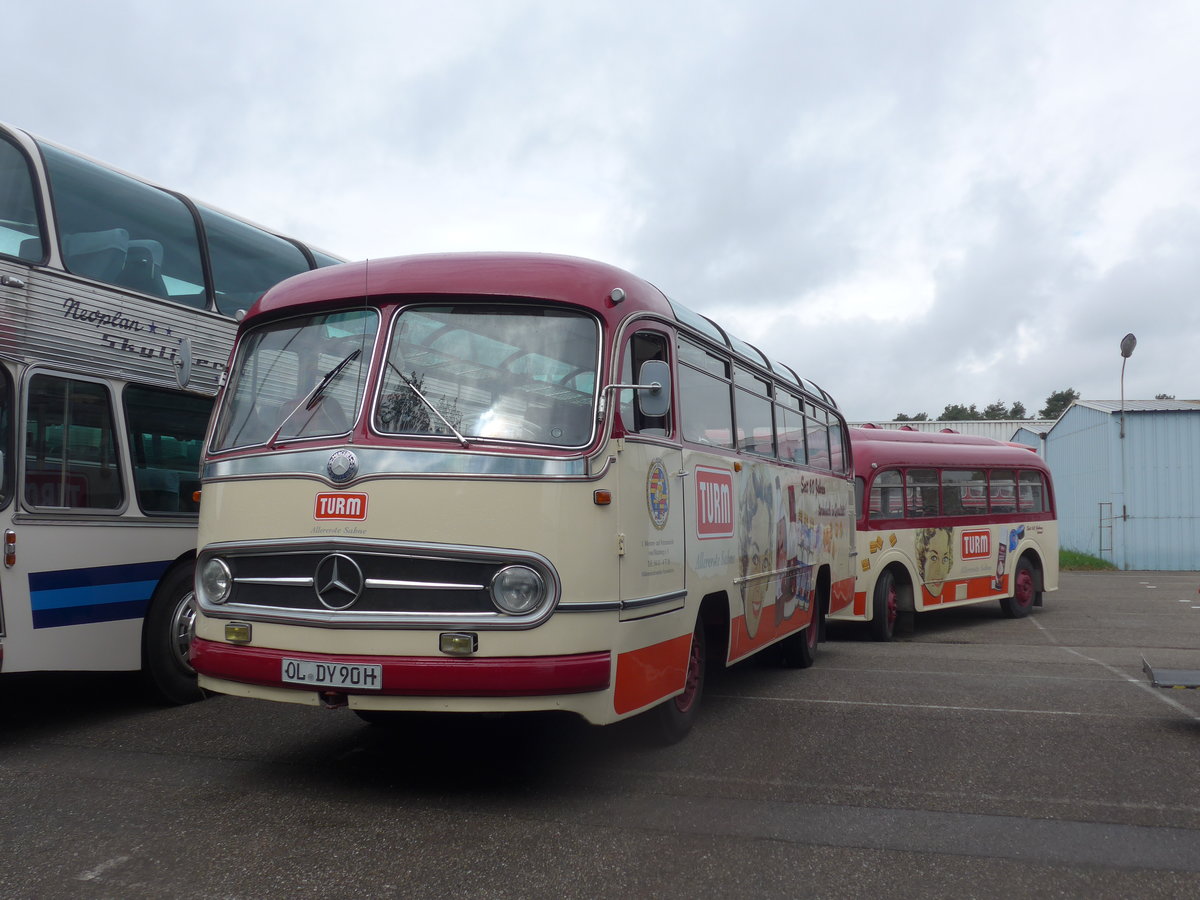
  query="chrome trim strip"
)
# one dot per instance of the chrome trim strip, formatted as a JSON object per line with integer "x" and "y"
{"x": 758, "y": 576}
{"x": 288, "y": 582}
{"x": 422, "y": 585}
{"x": 600, "y": 606}
{"x": 653, "y": 601}
{"x": 374, "y": 462}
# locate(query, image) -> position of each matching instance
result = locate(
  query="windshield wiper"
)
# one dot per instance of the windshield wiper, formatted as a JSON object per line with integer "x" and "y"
{"x": 437, "y": 412}
{"x": 313, "y": 397}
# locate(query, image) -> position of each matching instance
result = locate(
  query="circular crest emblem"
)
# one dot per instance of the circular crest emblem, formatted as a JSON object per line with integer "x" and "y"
{"x": 658, "y": 494}
{"x": 338, "y": 580}
{"x": 342, "y": 466}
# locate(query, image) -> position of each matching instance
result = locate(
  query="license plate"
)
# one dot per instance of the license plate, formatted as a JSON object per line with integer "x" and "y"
{"x": 333, "y": 674}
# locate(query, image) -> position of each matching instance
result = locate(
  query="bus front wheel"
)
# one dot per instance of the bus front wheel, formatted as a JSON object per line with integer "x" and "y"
{"x": 884, "y": 608}
{"x": 166, "y": 635}
{"x": 1025, "y": 592}
{"x": 672, "y": 720}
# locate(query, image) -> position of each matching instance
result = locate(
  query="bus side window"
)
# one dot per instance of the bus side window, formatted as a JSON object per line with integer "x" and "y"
{"x": 20, "y": 232}
{"x": 1033, "y": 493}
{"x": 887, "y": 496}
{"x": 921, "y": 493}
{"x": 165, "y": 430}
{"x": 704, "y": 400}
{"x": 642, "y": 347}
{"x": 70, "y": 445}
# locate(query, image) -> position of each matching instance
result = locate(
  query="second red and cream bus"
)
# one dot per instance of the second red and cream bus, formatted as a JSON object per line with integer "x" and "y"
{"x": 498, "y": 482}
{"x": 947, "y": 520}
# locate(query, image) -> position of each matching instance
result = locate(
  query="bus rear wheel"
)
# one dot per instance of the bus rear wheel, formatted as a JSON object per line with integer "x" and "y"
{"x": 166, "y": 636}
{"x": 884, "y": 608}
{"x": 799, "y": 651}
{"x": 1025, "y": 593}
{"x": 672, "y": 719}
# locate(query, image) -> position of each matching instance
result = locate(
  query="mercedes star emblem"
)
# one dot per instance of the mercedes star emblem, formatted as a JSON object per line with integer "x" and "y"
{"x": 339, "y": 581}
{"x": 342, "y": 465}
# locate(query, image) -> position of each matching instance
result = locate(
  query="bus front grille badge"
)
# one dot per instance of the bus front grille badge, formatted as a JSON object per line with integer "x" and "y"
{"x": 339, "y": 581}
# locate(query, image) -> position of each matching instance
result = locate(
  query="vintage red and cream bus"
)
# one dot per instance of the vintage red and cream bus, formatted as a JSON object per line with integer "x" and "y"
{"x": 946, "y": 520}
{"x": 497, "y": 482}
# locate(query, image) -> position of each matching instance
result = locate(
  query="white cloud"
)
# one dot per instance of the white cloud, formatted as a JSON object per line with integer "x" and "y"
{"x": 917, "y": 204}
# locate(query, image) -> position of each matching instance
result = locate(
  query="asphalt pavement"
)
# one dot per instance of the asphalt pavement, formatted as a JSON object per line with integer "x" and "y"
{"x": 975, "y": 756}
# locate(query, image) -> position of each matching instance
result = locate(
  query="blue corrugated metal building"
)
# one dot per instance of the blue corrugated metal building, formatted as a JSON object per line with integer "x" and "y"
{"x": 1133, "y": 500}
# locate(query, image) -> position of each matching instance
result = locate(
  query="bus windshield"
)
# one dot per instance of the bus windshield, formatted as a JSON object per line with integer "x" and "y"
{"x": 491, "y": 372}
{"x": 298, "y": 378}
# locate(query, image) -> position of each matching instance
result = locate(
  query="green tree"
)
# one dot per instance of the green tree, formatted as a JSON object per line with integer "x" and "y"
{"x": 1057, "y": 403}
{"x": 997, "y": 410}
{"x": 1017, "y": 411}
{"x": 956, "y": 412}
{"x": 904, "y": 417}
{"x": 1164, "y": 396}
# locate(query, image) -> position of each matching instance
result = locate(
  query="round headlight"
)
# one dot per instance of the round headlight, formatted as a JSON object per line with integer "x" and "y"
{"x": 216, "y": 581}
{"x": 518, "y": 590}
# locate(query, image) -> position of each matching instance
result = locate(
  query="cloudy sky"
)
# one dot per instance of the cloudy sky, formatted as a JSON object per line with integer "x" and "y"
{"x": 913, "y": 203}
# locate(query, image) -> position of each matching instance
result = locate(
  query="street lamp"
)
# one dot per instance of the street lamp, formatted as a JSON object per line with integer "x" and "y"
{"x": 1127, "y": 344}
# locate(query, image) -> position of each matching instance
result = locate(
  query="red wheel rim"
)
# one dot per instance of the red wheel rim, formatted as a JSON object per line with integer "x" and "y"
{"x": 1023, "y": 594}
{"x": 685, "y": 700}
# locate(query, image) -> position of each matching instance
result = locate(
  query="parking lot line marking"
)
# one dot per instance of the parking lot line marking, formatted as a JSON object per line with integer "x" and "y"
{"x": 992, "y": 709}
{"x": 1157, "y": 693}
{"x": 93, "y": 874}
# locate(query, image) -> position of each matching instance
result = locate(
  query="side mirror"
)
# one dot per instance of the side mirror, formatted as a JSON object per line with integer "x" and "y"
{"x": 654, "y": 388}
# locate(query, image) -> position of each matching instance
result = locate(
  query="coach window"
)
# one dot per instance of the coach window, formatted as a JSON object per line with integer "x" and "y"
{"x": 707, "y": 415}
{"x": 165, "y": 430}
{"x": 818, "y": 437}
{"x": 116, "y": 229}
{"x": 921, "y": 493}
{"x": 642, "y": 347}
{"x": 887, "y": 496}
{"x": 246, "y": 260}
{"x": 837, "y": 456}
{"x": 6, "y": 437}
{"x": 964, "y": 492}
{"x": 20, "y": 231}
{"x": 1002, "y": 491}
{"x": 752, "y": 410}
{"x": 789, "y": 427}
{"x": 1032, "y": 497}
{"x": 70, "y": 446}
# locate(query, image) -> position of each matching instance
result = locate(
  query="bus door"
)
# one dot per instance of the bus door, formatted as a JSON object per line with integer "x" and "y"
{"x": 652, "y": 492}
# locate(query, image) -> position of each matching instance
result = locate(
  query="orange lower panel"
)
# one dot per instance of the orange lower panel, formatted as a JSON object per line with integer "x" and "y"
{"x": 981, "y": 588}
{"x": 842, "y": 595}
{"x": 651, "y": 673}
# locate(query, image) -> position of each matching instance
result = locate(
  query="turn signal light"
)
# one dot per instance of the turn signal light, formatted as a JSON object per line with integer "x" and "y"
{"x": 10, "y": 548}
{"x": 602, "y": 498}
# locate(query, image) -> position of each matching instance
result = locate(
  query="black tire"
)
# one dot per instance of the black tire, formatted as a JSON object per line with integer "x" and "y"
{"x": 799, "y": 650}
{"x": 166, "y": 634}
{"x": 884, "y": 608}
{"x": 671, "y": 720}
{"x": 1025, "y": 593}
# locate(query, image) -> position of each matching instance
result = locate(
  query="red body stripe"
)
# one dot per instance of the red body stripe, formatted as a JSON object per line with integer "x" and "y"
{"x": 420, "y": 676}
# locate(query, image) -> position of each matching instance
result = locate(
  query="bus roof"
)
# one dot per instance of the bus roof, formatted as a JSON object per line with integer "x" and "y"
{"x": 537, "y": 276}
{"x": 879, "y": 447}
{"x": 611, "y": 292}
